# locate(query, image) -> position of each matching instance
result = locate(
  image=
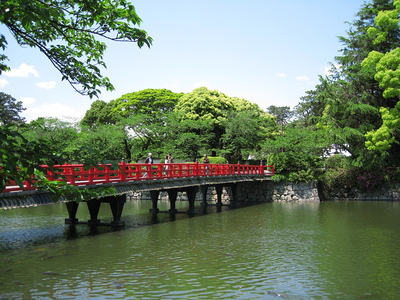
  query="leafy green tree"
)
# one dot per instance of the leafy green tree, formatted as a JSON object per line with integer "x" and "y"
{"x": 296, "y": 154}
{"x": 186, "y": 138}
{"x": 218, "y": 112}
{"x": 345, "y": 104}
{"x": 19, "y": 157}
{"x": 58, "y": 135}
{"x": 99, "y": 145}
{"x": 153, "y": 103}
{"x": 282, "y": 114}
{"x": 144, "y": 115}
{"x": 244, "y": 133}
{"x": 10, "y": 109}
{"x": 384, "y": 67}
{"x": 100, "y": 113}
{"x": 204, "y": 105}
{"x": 70, "y": 33}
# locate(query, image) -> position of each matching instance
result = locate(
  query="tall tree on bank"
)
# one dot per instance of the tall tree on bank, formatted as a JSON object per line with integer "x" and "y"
{"x": 346, "y": 102}
{"x": 384, "y": 66}
{"x": 69, "y": 34}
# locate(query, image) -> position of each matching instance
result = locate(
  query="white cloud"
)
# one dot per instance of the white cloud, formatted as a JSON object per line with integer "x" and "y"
{"x": 172, "y": 85}
{"x": 281, "y": 74}
{"x": 27, "y": 101}
{"x": 201, "y": 84}
{"x": 53, "y": 110}
{"x": 47, "y": 85}
{"x": 3, "y": 83}
{"x": 302, "y": 78}
{"x": 23, "y": 70}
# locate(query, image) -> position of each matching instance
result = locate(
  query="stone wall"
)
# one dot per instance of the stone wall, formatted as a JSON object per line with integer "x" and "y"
{"x": 272, "y": 191}
{"x": 266, "y": 191}
{"x": 383, "y": 193}
{"x": 257, "y": 191}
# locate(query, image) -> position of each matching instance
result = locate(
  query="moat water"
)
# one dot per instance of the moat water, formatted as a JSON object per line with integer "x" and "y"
{"x": 328, "y": 250}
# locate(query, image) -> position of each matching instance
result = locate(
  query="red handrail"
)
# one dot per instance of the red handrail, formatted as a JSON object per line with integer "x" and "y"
{"x": 79, "y": 176}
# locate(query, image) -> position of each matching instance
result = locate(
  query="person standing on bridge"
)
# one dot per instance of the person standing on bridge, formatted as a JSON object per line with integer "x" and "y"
{"x": 149, "y": 159}
{"x": 170, "y": 158}
{"x": 206, "y": 161}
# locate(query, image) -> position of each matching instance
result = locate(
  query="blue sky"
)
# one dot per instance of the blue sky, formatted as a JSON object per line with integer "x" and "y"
{"x": 267, "y": 52}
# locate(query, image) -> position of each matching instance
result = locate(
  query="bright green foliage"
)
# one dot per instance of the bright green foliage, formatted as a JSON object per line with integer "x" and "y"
{"x": 222, "y": 114}
{"x": 214, "y": 160}
{"x": 384, "y": 67}
{"x": 187, "y": 138}
{"x": 346, "y": 103}
{"x": 68, "y": 33}
{"x": 57, "y": 134}
{"x": 387, "y": 71}
{"x": 155, "y": 103}
{"x": 203, "y": 104}
{"x": 383, "y": 138}
{"x": 100, "y": 113}
{"x": 144, "y": 115}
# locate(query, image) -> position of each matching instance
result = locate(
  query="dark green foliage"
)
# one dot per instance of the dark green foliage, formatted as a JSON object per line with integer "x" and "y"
{"x": 296, "y": 153}
{"x": 21, "y": 158}
{"x": 10, "y": 109}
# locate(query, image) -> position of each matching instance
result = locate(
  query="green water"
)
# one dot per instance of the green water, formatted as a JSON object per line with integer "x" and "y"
{"x": 329, "y": 250}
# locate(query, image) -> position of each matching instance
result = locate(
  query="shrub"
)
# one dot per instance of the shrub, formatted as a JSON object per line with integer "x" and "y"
{"x": 215, "y": 160}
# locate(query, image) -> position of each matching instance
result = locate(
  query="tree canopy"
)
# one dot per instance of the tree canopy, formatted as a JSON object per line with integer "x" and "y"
{"x": 70, "y": 33}
{"x": 10, "y": 109}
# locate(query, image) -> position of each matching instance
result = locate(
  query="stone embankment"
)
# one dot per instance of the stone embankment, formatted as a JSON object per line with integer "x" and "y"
{"x": 385, "y": 192}
{"x": 273, "y": 191}
{"x": 265, "y": 191}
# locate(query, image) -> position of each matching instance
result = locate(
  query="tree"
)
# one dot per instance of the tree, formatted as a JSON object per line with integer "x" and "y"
{"x": 100, "y": 113}
{"x": 296, "y": 154}
{"x": 384, "y": 67}
{"x": 99, "y": 145}
{"x": 245, "y": 131}
{"x": 218, "y": 111}
{"x": 10, "y": 109}
{"x": 69, "y": 34}
{"x": 282, "y": 114}
{"x": 346, "y": 102}
{"x": 19, "y": 157}
{"x": 144, "y": 116}
{"x": 57, "y": 134}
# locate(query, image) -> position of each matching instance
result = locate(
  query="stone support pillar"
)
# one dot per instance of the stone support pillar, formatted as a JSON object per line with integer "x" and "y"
{"x": 154, "y": 198}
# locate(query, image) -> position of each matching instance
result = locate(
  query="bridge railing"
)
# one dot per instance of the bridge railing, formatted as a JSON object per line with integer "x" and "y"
{"x": 80, "y": 176}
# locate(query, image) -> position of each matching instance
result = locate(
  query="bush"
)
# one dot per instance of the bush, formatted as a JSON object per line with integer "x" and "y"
{"x": 215, "y": 160}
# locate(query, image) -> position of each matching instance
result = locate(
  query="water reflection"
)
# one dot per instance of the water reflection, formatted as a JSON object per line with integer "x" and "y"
{"x": 330, "y": 250}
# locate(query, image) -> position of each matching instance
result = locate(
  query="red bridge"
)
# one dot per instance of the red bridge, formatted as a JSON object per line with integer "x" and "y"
{"x": 103, "y": 174}
{"x": 172, "y": 178}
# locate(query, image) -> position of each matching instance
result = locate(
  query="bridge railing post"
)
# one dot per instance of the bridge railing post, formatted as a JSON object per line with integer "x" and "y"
{"x": 122, "y": 171}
